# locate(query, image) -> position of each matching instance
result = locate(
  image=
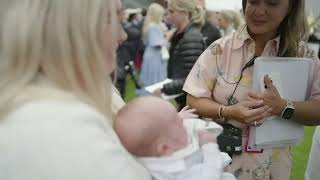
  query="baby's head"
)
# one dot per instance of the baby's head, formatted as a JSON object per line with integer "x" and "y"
{"x": 150, "y": 126}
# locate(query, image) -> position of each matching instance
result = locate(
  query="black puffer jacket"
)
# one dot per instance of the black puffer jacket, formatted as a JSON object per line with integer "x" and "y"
{"x": 210, "y": 33}
{"x": 185, "y": 49}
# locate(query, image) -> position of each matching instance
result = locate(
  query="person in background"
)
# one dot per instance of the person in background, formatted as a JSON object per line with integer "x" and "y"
{"x": 209, "y": 31}
{"x": 134, "y": 18}
{"x": 57, "y": 101}
{"x": 229, "y": 21}
{"x": 134, "y": 40}
{"x": 273, "y": 28}
{"x": 123, "y": 58}
{"x": 143, "y": 16}
{"x": 128, "y": 51}
{"x": 168, "y": 145}
{"x": 312, "y": 171}
{"x": 163, "y": 3}
{"x": 138, "y": 59}
{"x": 212, "y": 17}
{"x": 153, "y": 69}
{"x": 186, "y": 45}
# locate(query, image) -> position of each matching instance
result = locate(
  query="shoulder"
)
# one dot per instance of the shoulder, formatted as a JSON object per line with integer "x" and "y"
{"x": 192, "y": 32}
{"x": 154, "y": 30}
{"x": 154, "y": 27}
{"x": 68, "y": 116}
{"x": 61, "y": 108}
{"x": 209, "y": 27}
{"x": 223, "y": 44}
{"x": 193, "y": 40}
{"x": 67, "y": 139}
{"x": 45, "y": 103}
{"x": 216, "y": 52}
{"x": 305, "y": 51}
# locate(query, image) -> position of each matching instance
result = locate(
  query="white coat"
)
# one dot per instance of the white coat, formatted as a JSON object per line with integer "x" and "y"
{"x": 62, "y": 139}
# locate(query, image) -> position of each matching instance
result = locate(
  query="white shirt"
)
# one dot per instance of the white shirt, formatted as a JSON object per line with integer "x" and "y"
{"x": 193, "y": 162}
{"x": 62, "y": 140}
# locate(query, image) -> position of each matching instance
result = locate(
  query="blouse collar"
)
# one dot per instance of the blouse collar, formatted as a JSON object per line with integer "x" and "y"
{"x": 242, "y": 35}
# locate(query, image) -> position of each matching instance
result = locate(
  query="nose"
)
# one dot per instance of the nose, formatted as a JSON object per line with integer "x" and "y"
{"x": 260, "y": 9}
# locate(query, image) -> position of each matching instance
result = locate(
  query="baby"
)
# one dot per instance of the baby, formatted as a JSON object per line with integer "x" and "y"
{"x": 169, "y": 147}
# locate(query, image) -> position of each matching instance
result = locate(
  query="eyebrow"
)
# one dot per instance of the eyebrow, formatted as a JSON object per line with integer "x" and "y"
{"x": 274, "y": 1}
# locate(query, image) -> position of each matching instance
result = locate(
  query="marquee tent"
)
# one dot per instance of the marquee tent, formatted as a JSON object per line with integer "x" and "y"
{"x": 312, "y": 6}
{"x": 217, "y": 5}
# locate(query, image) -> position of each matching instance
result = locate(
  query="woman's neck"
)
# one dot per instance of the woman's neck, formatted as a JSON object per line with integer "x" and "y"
{"x": 261, "y": 40}
{"x": 182, "y": 25}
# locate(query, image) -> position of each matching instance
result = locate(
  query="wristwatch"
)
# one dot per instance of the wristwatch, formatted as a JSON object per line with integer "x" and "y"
{"x": 288, "y": 111}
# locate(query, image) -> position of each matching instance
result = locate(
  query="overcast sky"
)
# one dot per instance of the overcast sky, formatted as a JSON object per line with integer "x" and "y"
{"x": 311, "y": 5}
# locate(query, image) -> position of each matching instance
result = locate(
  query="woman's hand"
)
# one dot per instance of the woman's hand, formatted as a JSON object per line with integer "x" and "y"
{"x": 272, "y": 98}
{"x": 251, "y": 111}
{"x": 187, "y": 113}
{"x": 157, "y": 92}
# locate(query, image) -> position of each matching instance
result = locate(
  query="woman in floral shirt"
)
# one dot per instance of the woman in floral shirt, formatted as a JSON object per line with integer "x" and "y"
{"x": 273, "y": 28}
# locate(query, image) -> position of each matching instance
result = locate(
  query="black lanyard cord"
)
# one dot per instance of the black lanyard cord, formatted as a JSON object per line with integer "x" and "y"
{"x": 248, "y": 64}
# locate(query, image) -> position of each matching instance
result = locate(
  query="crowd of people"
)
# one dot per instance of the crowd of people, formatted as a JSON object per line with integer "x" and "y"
{"x": 154, "y": 32}
{"x": 61, "y": 116}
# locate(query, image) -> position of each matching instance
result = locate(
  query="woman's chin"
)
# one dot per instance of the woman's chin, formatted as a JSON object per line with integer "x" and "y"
{"x": 258, "y": 30}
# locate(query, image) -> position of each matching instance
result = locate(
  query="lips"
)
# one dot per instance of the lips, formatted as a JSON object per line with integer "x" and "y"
{"x": 258, "y": 21}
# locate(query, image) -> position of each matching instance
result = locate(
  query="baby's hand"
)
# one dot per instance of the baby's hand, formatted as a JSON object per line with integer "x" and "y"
{"x": 187, "y": 113}
{"x": 206, "y": 137}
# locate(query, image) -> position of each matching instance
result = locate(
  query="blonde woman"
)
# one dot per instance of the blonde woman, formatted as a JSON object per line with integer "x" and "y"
{"x": 153, "y": 69}
{"x": 187, "y": 43}
{"x": 273, "y": 28}
{"x": 56, "y": 98}
{"x": 229, "y": 21}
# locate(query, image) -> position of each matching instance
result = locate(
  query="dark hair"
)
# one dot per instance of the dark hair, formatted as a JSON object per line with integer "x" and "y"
{"x": 144, "y": 12}
{"x": 131, "y": 17}
{"x": 293, "y": 28}
{"x": 163, "y": 3}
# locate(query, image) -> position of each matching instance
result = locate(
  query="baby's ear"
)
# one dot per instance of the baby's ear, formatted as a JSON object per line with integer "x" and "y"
{"x": 164, "y": 149}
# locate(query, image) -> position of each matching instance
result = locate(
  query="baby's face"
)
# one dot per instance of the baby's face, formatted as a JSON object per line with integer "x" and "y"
{"x": 177, "y": 134}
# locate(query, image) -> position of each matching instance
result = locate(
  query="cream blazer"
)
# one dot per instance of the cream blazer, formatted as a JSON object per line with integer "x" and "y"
{"x": 57, "y": 139}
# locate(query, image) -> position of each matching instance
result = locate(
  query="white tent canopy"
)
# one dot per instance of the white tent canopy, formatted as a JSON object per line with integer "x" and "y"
{"x": 312, "y": 6}
{"x": 218, "y": 5}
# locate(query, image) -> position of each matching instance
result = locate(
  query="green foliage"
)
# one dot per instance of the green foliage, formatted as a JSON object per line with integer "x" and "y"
{"x": 301, "y": 155}
{"x": 130, "y": 90}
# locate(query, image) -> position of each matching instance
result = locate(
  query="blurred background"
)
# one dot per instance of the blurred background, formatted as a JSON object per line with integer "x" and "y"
{"x": 130, "y": 54}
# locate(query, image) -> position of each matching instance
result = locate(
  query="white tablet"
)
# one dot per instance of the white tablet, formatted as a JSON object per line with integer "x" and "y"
{"x": 291, "y": 76}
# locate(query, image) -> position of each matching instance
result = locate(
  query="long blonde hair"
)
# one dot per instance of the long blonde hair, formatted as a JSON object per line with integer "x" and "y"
{"x": 63, "y": 40}
{"x": 293, "y": 28}
{"x": 232, "y": 17}
{"x": 154, "y": 15}
{"x": 196, "y": 14}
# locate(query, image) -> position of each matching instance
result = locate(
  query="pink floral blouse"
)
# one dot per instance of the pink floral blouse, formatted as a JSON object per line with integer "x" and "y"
{"x": 215, "y": 74}
{"x": 218, "y": 69}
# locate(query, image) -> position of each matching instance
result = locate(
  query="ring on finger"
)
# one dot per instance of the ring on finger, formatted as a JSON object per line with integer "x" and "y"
{"x": 255, "y": 123}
